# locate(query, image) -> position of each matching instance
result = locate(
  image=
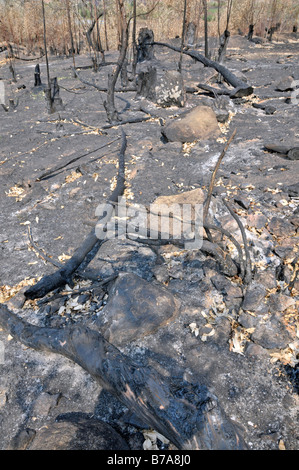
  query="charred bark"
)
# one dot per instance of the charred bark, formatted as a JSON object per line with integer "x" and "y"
{"x": 188, "y": 414}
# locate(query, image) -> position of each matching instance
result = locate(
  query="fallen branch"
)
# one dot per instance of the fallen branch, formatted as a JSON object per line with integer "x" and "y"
{"x": 240, "y": 88}
{"x": 214, "y": 91}
{"x": 64, "y": 275}
{"x": 102, "y": 88}
{"x": 227, "y": 265}
{"x": 58, "y": 168}
{"x": 187, "y": 414}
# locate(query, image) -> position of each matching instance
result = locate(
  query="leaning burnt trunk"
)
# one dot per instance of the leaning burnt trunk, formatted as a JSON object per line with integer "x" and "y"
{"x": 240, "y": 88}
{"x": 185, "y": 413}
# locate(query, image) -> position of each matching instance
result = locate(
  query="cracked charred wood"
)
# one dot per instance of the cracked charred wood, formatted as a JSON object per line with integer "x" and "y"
{"x": 240, "y": 88}
{"x": 64, "y": 275}
{"x": 37, "y": 79}
{"x": 187, "y": 414}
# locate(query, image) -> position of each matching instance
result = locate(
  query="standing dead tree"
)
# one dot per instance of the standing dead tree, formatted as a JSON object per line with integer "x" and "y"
{"x": 109, "y": 103}
{"x": 205, "y": 12}
{"x": 67, "y": 4}
{"x": 183, "y": 36}
{"x": 95, "y": 47}
{"x": 224, "y": 38}
{"x": 48, "y": 92}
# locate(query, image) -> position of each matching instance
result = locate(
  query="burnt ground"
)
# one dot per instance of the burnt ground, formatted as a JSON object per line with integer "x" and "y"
{"x": 244, "y": 349}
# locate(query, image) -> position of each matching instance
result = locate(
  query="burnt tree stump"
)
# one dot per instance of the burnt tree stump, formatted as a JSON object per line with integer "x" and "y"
{"x": 145, "y": 45}
{"x": 37, "y": 79}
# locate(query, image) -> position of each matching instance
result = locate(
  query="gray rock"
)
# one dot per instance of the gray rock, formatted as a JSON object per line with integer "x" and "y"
{"x": 136, "y": 309}
{"x": 87, "y": 434}
{"x": 247, "y": 320}
{"x": 293, "y": 154}
{"x": 292, "y": 190}
{"x": 285, "y": 84}
{"x": 280, "y": 227}
{"x": 271, "y": 334}
{"x": 44, "y": 403}
{"x": 256, "y": 220}
{"x": 22, "y": 439}
{"x": 242, "y": 201}
{"x": 254, "y": 297}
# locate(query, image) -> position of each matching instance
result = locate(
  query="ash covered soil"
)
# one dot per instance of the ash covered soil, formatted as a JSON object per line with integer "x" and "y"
{"x": 240, "y": 341}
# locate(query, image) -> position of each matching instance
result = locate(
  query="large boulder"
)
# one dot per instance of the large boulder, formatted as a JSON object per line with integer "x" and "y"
{"x": 198, "y": 124}
{"x": 136, "y": 308}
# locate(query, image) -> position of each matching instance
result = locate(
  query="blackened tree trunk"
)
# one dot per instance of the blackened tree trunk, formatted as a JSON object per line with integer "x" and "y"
{"x": 183, "y": 36}
{"x": 109, "y": 104}
{"x": 37, "y": 79}
{"x": 250, "y": 32}
{"x": 205, "y": 7}
{"x": 67, "y": 3}
{"x": 48, "y": 89}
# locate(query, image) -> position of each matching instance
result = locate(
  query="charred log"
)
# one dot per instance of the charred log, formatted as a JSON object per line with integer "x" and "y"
{"x": 240, "y": 88}
{"x": 188, "y": 414}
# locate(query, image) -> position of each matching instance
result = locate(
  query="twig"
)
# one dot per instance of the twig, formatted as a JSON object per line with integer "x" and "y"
{"x": 212, "y": 182}
{"x": 40, "y": 252}
{"x": 58, "y": 168}
{"x": 78, "y": 291}
{"x": 248, "y": 269}
{"x": 64, "y": 275}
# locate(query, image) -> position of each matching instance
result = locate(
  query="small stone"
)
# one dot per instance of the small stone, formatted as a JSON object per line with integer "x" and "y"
{"x": 293, "y": 154}
{"x": 255, "y": 350}
{"x": 254, "y": 297}
{"x": 161, "y": 273}
{"x": 292, "y": 190}
{"x": 44, "y": 403}
{"x": 280, "y": 302}
{"x": 271, "y": 334}
{"x": 22, "y": 439}
{"x": 257, "y": 221}
{"x": 242, "y": 201}
{"x": 247, "y": 320}
{"x": 267, "y": 279}
{"x": 270, "y": 110}
{"x": 280, "y": 227}
{"x": 286, "y": 84}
